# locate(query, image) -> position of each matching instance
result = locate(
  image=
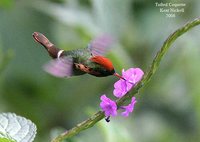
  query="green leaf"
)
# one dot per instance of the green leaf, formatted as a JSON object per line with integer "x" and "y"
{"x": 15, "y": 128}
{"x": 6, "y": 140}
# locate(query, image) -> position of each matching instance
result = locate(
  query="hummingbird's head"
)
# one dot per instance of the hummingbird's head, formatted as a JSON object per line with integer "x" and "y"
{"x": 107, "y": 64}
{"x": 104, "y": 62}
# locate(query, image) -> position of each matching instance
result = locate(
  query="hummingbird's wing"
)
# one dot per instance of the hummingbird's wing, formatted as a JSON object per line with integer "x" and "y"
{"x": 60, "y": 67}
{"x": 100, "y": 45}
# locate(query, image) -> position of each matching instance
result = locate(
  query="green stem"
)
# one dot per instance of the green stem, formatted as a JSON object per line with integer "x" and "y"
{"x": 157, "y": 59}
{"x": 147, "y": 77}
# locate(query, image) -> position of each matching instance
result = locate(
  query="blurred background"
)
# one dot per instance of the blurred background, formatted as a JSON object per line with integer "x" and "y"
{"x": 168, "y": 108}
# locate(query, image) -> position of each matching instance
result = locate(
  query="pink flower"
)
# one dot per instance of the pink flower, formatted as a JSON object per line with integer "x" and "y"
{"x": 129, "y": 108}
{"x": 108, "y": 106}
{"x": 132, "y": 76}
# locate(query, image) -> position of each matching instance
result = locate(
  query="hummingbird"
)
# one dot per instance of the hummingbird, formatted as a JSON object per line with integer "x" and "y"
{"x": 76, "y": 62}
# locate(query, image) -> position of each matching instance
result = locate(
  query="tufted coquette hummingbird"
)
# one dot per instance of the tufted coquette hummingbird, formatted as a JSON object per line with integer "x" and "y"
{"x": 89, "y": 60}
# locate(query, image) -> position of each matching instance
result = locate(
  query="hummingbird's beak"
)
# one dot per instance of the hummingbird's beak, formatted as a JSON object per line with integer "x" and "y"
{"x": 119, "y": 76}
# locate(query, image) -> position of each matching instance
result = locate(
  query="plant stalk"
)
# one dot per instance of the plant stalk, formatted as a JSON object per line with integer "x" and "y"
{"x": 147, "y": 77}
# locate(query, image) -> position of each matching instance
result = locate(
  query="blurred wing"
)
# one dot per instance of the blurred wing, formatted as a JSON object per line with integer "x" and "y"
{"x": 100, "y": 45}
{"x": 61, "y": 67}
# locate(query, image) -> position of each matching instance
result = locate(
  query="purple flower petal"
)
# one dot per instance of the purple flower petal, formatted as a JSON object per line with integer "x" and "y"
{"x": 108, "y": 106}
{"x": 120, "y": 88}
{"x": 129, "y": 108}
{"x": 132, "y": 76}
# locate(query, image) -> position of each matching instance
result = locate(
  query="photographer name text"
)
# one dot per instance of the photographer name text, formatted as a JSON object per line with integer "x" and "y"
{"x": 171, "y": 9}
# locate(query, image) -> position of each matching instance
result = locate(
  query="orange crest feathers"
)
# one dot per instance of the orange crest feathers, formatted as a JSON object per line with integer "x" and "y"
{"x": 105, "y": 62}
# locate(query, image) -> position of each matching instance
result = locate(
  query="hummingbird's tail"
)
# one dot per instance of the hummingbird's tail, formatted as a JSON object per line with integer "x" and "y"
{"x": 50, "y": 47}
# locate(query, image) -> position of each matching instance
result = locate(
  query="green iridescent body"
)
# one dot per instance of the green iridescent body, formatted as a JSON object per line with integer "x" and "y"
{"x": 82, "y": 57}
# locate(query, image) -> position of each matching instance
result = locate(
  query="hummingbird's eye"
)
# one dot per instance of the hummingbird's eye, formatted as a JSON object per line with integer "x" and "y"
{"x": 113, "y": 71}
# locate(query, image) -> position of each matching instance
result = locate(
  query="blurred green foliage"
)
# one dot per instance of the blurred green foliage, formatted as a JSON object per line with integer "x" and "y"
{"x": 6, "y": 3}
{"x": 5, "y": 57}
{"x": 167, "y": 108}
